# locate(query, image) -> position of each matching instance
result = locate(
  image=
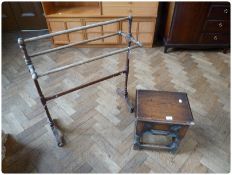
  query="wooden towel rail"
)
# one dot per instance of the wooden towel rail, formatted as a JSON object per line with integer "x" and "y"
{"x": 35, "y": 76}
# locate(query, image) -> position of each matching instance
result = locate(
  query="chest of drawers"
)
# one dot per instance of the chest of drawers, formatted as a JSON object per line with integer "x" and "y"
{"x": 198, "y": 25}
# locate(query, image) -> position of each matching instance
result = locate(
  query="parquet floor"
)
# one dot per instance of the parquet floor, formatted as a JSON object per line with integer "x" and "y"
{"x": 97, "y": 127}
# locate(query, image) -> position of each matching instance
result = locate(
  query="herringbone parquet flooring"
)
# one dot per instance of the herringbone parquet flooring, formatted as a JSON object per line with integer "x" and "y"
{"x": 97, "y": 126}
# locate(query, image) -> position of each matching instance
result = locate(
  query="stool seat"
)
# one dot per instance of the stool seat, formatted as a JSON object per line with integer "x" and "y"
{"x": 163, "y": 107}
{"x": 161, "y": 113}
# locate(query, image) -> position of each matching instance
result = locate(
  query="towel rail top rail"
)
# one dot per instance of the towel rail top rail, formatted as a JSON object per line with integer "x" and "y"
{"x": 75, "y": 29}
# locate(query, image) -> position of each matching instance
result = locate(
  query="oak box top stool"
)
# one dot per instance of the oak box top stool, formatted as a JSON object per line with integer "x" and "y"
{"x": 161, "y": 113}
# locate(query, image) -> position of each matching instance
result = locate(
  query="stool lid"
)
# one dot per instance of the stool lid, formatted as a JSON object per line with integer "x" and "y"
{"x": 163, "y": 107}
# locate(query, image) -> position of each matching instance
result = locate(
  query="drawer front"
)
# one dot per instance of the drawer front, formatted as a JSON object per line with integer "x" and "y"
{"x": 219, "y": 12}
{"x": 130, "y": 4}
{"x": 145, "y": 38}
{"x": 125, "y": 11}
{"x": 59, "y": 26}
{"x": 211, "y": 38}
{"x": 217, "y": 26}
{"x": 153, "y": 5}
{"x": 117, "y": 4}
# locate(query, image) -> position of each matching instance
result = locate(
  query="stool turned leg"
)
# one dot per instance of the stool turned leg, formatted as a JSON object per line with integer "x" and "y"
{"x": 175, "y": 140}
{"x": 138, "y": 135}
{"x": 137, "y": 145}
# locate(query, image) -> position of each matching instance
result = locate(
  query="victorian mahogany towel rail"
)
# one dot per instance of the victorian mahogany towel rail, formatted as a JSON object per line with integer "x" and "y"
{"x": 128, "y": 36}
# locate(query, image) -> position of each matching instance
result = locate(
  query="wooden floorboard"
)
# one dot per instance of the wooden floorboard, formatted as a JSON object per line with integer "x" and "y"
{"x": 97, "y": 127}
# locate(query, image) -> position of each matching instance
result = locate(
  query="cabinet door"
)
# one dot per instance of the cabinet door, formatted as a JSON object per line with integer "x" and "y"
{"x": 187, "y": 22}
{"x": 75, "y": 36}
{"x": 109, "y": 29}
{"x": 134, "y": 27}
{"x": 146, "y": 31}
{"x": 94, "y": 32}
{"x": 59, "y": 26}
{"x": 146, "y": 26}
{"x": 94, "y": 35}
{"x": 145, "y": 38}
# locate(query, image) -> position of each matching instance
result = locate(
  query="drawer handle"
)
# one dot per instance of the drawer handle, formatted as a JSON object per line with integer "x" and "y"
{"x": 215, "y": 38}
{"x": 226, "y": 11}
{"x": 130, "y": 11}
{"x": 220, "y": 25}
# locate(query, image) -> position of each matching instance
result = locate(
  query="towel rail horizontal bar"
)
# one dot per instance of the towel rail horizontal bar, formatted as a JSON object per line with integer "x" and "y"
{"x": 83, "y": 86}
{"x": 75, "y": 29}
{"x": 88, "y": 61}
{"x": 72, "y": 44}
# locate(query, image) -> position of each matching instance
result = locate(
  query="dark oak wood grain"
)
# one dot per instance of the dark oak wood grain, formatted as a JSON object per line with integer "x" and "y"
{"x": 220, "y": 26}
{"x": 161, "y": 113}
{"x": 219, "y": 11}
{"x": 198, "y": 25}
{"x": 187, "y": 21}
{"x": 155, "y": 106}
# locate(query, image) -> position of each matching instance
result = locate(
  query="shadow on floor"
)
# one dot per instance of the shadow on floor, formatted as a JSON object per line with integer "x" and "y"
{"x": 19, "y": 158}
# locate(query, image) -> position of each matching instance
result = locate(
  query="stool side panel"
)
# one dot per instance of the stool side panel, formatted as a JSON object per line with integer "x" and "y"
{"x": 142, "y": 126}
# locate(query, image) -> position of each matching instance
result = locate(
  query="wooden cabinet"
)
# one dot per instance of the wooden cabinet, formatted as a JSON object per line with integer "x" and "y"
{"x": 66, "y": 15}
{"x": 198, "y": 25}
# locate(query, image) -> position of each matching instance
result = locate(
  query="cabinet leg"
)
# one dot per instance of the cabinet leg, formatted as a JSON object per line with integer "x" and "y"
{"x": 224, "y": 51}
{"x": 165, "y": 49}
